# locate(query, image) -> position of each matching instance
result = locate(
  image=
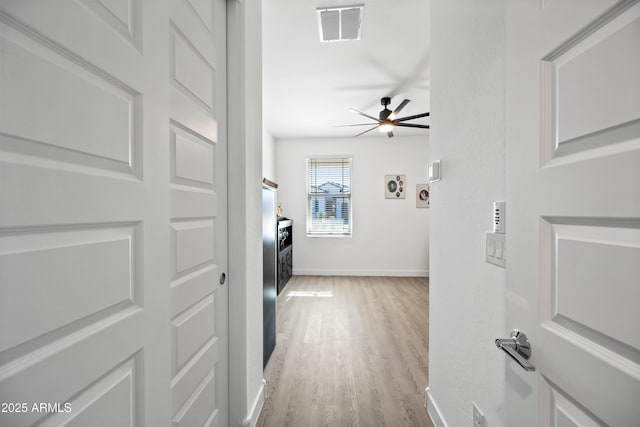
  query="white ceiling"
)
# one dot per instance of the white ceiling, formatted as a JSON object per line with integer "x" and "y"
{"x": 308, "y": 86}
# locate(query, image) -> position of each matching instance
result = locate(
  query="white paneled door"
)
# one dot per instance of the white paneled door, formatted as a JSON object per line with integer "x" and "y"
{"x": 113, "y": 213}
{"x": 573, "y": 194}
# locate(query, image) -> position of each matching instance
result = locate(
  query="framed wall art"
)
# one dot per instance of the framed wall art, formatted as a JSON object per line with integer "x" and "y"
{"x": 395, "y": 186}
{"x": 422, "y": 195}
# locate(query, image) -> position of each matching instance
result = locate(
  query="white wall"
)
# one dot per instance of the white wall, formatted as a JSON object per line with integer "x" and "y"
{"x": 467, "y": 134}
{"x": 244, "y": 56}
{"x": 390, "y": 237}
{"x": 268, "y": 156}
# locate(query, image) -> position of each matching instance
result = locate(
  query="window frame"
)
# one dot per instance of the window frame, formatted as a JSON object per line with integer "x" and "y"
{"x": 348, "y": 159}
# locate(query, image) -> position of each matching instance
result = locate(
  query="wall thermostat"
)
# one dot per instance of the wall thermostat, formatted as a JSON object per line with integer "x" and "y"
{"x": 499, "y": 218}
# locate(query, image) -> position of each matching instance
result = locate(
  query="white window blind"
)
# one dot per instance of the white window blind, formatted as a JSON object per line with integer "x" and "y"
{"x": 329, "y": 196}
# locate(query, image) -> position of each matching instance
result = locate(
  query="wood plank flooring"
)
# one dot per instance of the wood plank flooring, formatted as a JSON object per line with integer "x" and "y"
{"x": 351, "y": 351}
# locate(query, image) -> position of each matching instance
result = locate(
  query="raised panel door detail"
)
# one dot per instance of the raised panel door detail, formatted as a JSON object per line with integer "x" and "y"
{"x": 590, "y": 269}
{"x": 75, "y": 106}
{"x": 62, "y": 370}
{"x": 121, "y": 15}
{"x": 583, "y": 76}
{"x": 186, "y": 113}
{"x": 113, "y": 400}
{"x": 599, "y": 277}
{"x": 55, "y": 192}
{"x": 198, "y": 410}
{"x": 192, "y": 202}
{"x": 121, "y": 9}
{"x": 581, "y": 109}
{"x": 187, "y": 380}
{"x": 194, "y": 244}
{"x": 97, "y": 243}
{"x": 189, "y": 289}
{"x": 564, "y": 411}
{"x": 572, "y": 98}
{"x": 204, "y": 10}
{"x": 192, "y": 329}
{"x": 63, "y": 276}
{"x": 113, "y": 408}
{"x": 192, "y": 72}
{"x": 194, "y": 159}
{"x": 194, "y": 211}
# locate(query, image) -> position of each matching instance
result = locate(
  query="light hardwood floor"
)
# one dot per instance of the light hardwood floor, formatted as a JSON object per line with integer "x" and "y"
{"x": 351, "y": 351}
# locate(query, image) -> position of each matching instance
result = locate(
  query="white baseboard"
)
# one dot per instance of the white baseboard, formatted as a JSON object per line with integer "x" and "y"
{"x": 252, "y": 418}
{"x": 331, "y": 272}
{"x": 432, "y": 409}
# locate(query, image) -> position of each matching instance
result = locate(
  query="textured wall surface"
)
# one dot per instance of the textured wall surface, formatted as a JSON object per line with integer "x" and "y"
{"x": 466, "y": 294}
{"x": 390, "y": 236}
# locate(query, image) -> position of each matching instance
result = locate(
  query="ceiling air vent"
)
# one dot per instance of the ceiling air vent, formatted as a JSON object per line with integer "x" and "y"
{"x": 340, "y": 23}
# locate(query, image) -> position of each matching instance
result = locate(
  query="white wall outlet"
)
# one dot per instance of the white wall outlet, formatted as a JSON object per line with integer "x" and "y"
{"x": 478, "y": 416}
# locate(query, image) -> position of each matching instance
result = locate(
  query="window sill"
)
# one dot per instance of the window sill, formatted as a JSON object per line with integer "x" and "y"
{"x": 313, "y": 236}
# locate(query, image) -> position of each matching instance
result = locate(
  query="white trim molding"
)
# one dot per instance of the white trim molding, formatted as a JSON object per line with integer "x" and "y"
{"x": 252, "y": 418}
{"x": 432, "y": 410}
{"x": 332, "y": 272}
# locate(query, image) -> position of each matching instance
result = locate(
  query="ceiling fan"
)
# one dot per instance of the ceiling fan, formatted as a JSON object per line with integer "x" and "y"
{"x": 387, "y": 119}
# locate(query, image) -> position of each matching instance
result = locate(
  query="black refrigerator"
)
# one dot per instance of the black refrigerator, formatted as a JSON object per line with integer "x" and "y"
{"x": 269, "y": 272}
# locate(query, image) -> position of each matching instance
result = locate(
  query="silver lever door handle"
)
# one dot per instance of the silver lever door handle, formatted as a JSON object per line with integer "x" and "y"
{"x": 518, "y": 347}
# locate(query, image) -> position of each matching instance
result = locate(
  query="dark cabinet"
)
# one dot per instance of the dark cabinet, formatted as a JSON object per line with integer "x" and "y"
{"x": 285, "y": 252}
{"x": 270, "y": 269}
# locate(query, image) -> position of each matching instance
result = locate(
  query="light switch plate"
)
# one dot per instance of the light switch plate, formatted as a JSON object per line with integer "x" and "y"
{"x": 496, "y": 249}
{"x": 433, "y": 171}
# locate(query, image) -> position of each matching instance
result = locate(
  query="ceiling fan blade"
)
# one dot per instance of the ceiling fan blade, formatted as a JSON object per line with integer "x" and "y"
{"x": 390, "y": 134}
{"x": 411, "y": 125}
{"x": 368, "y": 130}
{"x": 399, "y": 108}
{"x": 357, "y": 124}
{"x": 417, "y": 116}
{"x": 363, "y": 114}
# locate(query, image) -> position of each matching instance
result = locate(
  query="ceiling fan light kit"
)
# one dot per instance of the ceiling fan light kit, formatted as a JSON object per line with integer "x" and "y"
{"x": 387, "y": 121}
{"x": 385, "y": 126}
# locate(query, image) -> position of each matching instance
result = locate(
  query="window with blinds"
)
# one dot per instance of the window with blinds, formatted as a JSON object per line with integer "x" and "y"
{"x": 329, "y": 197}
